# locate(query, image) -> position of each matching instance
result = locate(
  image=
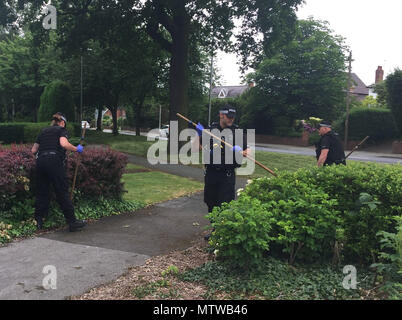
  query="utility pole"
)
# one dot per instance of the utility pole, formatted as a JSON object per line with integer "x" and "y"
{"x": 348, "y": 101}
{"x": 160, "y": 115}
{"x": 210, "y": 89}
{"x": 81, "y": 94}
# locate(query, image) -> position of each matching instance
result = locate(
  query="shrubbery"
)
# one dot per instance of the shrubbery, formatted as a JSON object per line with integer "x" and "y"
{"x": 57, "y": 97}
{"x": 99, "y": 174}
{"x": 378, "y": 123}
{"x": 309, "y": 215}
{"x": 27, "y": 132}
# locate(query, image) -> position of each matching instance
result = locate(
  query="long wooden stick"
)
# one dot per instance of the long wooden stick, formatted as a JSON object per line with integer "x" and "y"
{"x": 78, "y": 163}
{"x": 357, "y": 147}
{"x": 229, "y": 145}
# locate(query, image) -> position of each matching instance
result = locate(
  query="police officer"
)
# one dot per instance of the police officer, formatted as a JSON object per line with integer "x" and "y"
{"x": 50, "y": 149}
{"x": 329, "y": 150}
{"x": 220, "y": 178}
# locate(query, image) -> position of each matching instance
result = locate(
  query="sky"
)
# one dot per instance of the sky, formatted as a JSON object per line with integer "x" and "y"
{"x": 371, "y": 28}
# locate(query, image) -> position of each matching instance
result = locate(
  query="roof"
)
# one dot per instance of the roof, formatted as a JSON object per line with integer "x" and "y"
{"x": 228, "y": 91}
{"x": 358, "y": 86}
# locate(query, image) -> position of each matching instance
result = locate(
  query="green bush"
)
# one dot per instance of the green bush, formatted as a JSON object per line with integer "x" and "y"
{"x": 11, "y": 133}
{"x": 57, "y": 97}
{"x": 378, "y": 123}
{"x": 241, "y": 231}
{"x": 27, "y": 132}
{"x": 390, "y": 266}
{"x": 317, "y": 214}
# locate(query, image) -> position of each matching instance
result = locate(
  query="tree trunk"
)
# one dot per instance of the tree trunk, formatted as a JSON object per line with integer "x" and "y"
{"x": 113, "y": 110}
{"x": 138, "y": 116}
{"x": 179, "y": 73}
{"x": 99, "y": 120}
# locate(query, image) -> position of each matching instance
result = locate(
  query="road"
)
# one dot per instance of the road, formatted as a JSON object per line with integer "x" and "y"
{"x": 309, "y": 151}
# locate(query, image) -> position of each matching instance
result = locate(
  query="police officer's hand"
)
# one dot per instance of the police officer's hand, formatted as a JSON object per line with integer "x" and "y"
{"x": 80, "y": 148}
{"x": 237, "y": 149}
{"x": 199, "y": 129}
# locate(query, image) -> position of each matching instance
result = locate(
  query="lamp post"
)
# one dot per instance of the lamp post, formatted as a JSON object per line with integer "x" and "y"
{"x": 210, "y": 90}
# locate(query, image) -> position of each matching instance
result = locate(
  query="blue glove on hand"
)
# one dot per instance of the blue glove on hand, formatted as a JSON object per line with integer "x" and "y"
{"x": 80, "y": 148}
{"x": 237, "y": 149}
{"x": 199, "y": 129}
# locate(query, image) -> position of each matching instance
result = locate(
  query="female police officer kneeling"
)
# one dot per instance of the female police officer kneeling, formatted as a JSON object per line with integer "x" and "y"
{"x": 50, "y": 147}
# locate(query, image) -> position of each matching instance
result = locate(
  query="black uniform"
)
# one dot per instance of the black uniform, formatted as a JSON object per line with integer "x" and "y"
{"x": 220, "y": 178}
{"x": 336, "y": 154}
{"x": 50, "y": 170}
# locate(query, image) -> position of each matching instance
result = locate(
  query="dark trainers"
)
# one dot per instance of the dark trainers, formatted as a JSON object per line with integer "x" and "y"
{"x": 77, "y": 225}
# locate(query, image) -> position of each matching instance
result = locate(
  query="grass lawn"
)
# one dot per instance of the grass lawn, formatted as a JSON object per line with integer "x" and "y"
{"x": 154, "y": 186}
{"x": 139, "y": 146}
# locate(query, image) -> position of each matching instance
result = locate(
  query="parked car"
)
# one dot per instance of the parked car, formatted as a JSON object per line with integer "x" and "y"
{"x": 164, "y": 131}
{"x": 83, "y": 123}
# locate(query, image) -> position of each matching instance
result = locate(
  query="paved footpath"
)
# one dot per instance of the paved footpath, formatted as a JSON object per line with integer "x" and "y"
{"x": 106, "y": 248}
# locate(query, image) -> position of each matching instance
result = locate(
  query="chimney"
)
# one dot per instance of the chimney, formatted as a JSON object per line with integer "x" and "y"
{"x": 379, "y": 75}
{"x": 251, "y": 84}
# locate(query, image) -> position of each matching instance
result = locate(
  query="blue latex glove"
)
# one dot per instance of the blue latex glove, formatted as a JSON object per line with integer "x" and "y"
{"x": 80, "y": 148}
{"x": 199, "y": 129}
{"x": 237, "y": 149}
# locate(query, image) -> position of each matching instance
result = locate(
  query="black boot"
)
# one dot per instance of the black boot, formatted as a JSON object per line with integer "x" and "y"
{"x": 39, "y": 223}
{"x": 77, "y": 225}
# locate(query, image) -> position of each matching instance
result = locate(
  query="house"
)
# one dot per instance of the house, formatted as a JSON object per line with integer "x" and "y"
{"x": 358, "y": 90}
{"x": 225, "y": 92}
{"x": 379, "y": 77}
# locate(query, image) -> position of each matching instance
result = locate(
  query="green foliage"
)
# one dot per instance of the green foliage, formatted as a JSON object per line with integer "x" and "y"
{"x": 394, "y": 91}
{"x": 378, "y": 123}
{"x": 57, "y": 97}
{"x": 278, "y": 280}
{"x": 19, "y": 221}
{"x": 242, "y": 231}
{"x": 391, "y": 261}
{"x": 305, "y": 77}
{"x": 27, "y": 132}
{"x": 11, "y": 133}
{"x": 311, "y": 214}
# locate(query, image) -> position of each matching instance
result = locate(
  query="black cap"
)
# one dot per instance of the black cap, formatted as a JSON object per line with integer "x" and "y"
{"x": 62, "y": 116}
{"x": 325, "y": 123}
{"x": 229, "y": 111}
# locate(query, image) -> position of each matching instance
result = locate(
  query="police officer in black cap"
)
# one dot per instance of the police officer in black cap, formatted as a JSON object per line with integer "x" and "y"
{"x": 50, "y": 149}
{"x": 329, "y": 150}
{"x": 220, "y": 178}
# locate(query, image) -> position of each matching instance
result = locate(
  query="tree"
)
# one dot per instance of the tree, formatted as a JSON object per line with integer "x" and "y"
{"x": 394, "y": 89}
{"x": 306, "y": 78}
{"x": 57, "y": 97}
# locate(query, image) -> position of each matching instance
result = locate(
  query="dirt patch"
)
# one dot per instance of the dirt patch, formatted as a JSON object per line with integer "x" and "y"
{"x": 155, "y": 279}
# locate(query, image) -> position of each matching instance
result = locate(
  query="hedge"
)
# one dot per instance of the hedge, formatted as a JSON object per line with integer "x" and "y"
{"x": 378, "y": 123}
{"x": 27, "y": 132}
{"x": 311, "y": 215}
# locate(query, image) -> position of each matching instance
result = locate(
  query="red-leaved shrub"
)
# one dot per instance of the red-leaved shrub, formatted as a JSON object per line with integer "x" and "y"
{"x": 16, "y": 168}
{"x": 99, "y": 173}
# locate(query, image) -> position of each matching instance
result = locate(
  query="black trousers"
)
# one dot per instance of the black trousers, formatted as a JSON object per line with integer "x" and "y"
{"x": 50, "y": 171}
{"x": 219, "y": 187}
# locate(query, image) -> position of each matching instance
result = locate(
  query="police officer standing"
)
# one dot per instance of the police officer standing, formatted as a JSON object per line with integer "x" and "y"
{"x": 329, "y": 150}
{"x": 50, "y": 149}
{"x": 220, "y": 178}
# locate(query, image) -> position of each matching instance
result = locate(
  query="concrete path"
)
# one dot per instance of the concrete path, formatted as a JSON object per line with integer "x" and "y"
{"x": 105, "y": 249}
